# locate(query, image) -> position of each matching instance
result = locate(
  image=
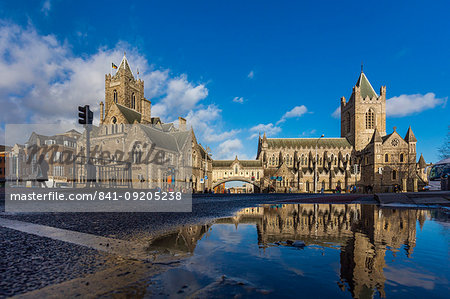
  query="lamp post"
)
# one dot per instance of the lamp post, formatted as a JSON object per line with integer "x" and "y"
{"x": 315, "y": 165}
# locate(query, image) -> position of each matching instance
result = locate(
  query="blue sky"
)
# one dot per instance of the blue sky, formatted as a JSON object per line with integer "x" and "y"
{"x": 233, "y": 68}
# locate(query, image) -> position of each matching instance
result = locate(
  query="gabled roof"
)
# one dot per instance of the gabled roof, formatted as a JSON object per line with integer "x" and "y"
{"x": 365, "y": 87}
{"x": 160, "y": 139}
{"x": 181, "y": 137}
{"x": 410, "y": 136}
{"x": 130, "y": 114}
{"x": 308, "y": 142}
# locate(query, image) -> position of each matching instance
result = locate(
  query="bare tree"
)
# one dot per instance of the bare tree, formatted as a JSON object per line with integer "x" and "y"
{"x": 444, "y": 150}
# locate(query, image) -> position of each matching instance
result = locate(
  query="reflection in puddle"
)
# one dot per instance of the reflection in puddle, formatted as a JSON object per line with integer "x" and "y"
{"x": 309, "y": 250}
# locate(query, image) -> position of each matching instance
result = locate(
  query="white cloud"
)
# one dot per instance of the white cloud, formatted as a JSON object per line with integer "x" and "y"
{"x": 251, "y": 74}
{"x": 337, "y": 112}
{"x": 239, "y": 100}
{"x": 270, "y": 130}
{"x": 205, "y": 123}
{"x": 228, "y": 149}
{"x": 297, "y": 111}
{"x": 308, "y": 133}
{"x": 45, "y": 82}
{"x": 404, "y": 104}
{"x": 181, "y": 97}
{"x": 46, "y": 6}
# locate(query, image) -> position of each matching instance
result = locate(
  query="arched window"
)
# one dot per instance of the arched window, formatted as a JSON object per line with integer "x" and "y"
{"x": 323, "y": 185}
{"x": 290, "y": 161}
{"x": 370, "y": 119}
{"x": 394, "y": 174}
{"x": 307, "y": 186}
{"x": 133, "y": 101}
{"x": 303, "y": 160}
{"x": 402, "y": 158}
{"x": 115, "y": 96}
{"x": 386, "y": 158}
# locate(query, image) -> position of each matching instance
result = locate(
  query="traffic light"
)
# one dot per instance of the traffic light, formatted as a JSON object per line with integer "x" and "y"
{"x": 86, "y": 116}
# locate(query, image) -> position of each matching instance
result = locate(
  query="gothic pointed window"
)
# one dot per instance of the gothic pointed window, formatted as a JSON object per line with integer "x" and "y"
{"x": 370, "y": 119}
{"x": 133, "y": 101}
{"x": 394, "y": 174}
{"x": 386, "y": 158}
{"x": 402, "y": 157}
{"x": 115, "y": 96}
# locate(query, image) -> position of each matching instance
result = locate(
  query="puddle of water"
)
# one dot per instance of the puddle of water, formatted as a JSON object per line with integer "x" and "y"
{"x": 310, "y": 250}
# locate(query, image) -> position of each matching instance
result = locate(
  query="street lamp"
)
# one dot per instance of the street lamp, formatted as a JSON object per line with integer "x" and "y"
{"x": 315, "y": 165}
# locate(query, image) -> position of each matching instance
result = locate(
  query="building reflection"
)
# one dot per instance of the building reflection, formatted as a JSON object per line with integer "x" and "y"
{"x": 181, "y": 241}
{"x": 363, "y": 232}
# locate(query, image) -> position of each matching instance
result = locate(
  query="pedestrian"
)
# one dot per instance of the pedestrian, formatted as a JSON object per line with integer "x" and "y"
{"x": 42, "y": 172}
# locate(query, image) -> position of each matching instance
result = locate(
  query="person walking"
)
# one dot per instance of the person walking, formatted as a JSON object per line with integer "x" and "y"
{"x": 42, "y": 172}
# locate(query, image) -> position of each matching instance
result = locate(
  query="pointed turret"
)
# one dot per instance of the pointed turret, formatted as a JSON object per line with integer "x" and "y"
{"x": 422, "y": 164}
{"x": 410, "y": 136}
{"x": 365, "y": 86}
{"x": 376, "y": 137}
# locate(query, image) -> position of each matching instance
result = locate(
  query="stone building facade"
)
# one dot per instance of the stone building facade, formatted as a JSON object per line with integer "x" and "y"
{"x": 364, "y": 156}
{"x": 125, "y": 105}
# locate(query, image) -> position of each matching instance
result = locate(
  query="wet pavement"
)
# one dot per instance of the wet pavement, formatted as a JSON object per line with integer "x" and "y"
{"x": 249, "y": 245}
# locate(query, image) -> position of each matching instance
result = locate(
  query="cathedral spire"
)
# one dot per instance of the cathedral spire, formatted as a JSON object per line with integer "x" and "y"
{"x": 365, "y": 86}
{"x": 125, "y": 66}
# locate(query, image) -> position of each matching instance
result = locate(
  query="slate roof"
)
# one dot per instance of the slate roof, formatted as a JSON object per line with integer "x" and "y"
{"x": 181, "y": 137}
{"x": 160, "y": 138}
{"x": 365, "y": 86}
{"x": 386, "y": 137}
{"x": 130, "y": 114}
{"x": 308, "y": 142}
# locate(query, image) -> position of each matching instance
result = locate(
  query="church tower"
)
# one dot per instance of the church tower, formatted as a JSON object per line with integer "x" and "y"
{"x": 124, "y": 93}
{"x": 362, "y": 113}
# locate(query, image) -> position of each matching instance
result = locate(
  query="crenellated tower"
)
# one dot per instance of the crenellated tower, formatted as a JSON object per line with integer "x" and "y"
{"x": 126, "y": 92}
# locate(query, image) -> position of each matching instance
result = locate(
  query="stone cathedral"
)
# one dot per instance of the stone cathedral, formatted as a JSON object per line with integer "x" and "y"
{"x": 382, "y": 160}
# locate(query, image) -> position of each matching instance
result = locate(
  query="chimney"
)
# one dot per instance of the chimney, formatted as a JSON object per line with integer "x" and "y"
{"x": 182, "y": 124}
